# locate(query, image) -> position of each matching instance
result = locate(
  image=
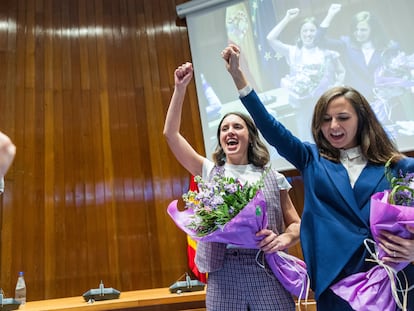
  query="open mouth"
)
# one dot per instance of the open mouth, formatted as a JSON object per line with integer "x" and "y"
{"x": 232, "y": 142}
{"x": 337, "y": 136}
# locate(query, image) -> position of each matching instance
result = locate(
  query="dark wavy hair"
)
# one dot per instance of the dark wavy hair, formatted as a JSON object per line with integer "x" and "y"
{"x": 257, "y": 153}
{"x": 376, "y": 145}
{"x": 377, "y": 31}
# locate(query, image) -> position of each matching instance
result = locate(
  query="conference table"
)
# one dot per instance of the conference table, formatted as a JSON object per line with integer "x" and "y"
{"x": 157, "y": 299}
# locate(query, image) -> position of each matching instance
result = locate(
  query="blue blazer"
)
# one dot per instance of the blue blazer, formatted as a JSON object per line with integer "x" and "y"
{"x": 359, "y": 75}
{"x": 335, "y": 219}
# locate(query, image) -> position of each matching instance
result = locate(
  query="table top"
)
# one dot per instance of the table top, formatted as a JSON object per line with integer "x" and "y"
{"x": 131, "y": 299}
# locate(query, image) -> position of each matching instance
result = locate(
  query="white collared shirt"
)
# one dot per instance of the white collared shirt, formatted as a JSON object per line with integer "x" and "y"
{"x": 354, "y": 162}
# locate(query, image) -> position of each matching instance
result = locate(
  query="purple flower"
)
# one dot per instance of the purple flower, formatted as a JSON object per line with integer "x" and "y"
{"x": 231, "y": 188}
{"x": 218, "y": 201}
{"x": 402, "y": 187}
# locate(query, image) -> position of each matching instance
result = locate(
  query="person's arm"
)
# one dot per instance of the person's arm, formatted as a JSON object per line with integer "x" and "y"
{"x": 333, "y": 10}
{"x": 7, "y": 153}
{"x": 275, "y": 133}
{"x": 273, "y": 242}
{"x": 321, "y": 35}
{"x": 182, "y": 150}
{"x": 291, "y": 219}
{"x": 339, "y": 72}
{"x": 231, "y": 57}
{"x": 273, "y": 35}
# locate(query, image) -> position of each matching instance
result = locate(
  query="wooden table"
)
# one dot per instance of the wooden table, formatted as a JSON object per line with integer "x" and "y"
{"x": 157, "y": 299}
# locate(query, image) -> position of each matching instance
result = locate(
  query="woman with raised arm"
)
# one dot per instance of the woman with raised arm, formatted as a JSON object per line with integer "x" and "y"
{"x": 361, "y": 51}
{"x": 235, "y": 280}
{"x": 312, "y": 69}
{"x": 341, "y": 171}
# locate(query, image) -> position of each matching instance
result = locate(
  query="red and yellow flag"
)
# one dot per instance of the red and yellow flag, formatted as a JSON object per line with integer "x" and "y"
{"x": 192, "y": 246}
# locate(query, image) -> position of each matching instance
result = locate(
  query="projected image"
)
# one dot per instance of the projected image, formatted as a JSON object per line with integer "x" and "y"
{"x": 292, "y": 53}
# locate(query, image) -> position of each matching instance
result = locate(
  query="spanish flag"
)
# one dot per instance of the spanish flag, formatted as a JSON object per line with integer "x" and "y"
{"x": 192, "y": 246}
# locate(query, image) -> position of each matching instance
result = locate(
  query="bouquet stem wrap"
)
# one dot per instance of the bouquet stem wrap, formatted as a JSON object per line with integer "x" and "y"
{"x": 241, "y": 231}
{"x": 377, "y": 289}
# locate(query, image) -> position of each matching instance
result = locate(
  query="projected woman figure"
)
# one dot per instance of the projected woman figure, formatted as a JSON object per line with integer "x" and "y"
{"x": 375, "y": 66}
{"x": 312, "y": 69}
{"x": 361, "y": 51}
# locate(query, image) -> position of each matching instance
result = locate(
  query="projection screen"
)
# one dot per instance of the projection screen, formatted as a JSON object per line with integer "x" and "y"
{"x": 290, "y": 92}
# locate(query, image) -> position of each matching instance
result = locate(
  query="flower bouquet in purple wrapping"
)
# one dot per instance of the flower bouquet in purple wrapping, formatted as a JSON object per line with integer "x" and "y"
{"x": 377, "y": 289}
{"x": 225, "y": 211}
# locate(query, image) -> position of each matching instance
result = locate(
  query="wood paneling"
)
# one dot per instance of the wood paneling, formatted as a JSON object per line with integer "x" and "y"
{"x": 84, "y": 90}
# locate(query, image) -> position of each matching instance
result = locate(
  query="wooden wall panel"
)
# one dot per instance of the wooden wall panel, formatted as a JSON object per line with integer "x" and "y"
{"x": 84, "y": 91}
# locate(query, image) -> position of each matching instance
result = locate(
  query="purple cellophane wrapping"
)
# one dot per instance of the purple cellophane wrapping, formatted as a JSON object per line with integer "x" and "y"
{"x": 291, "y": 272}
{"x": 371, "y": 290}
{"x": 241, "y": 231}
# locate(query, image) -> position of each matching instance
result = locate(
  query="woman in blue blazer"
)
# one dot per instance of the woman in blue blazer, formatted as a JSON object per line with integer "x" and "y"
{"x": 340, "y": 173}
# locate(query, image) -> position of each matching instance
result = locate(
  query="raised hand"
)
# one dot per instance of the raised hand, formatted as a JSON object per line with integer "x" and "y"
{"x": 183, "y": 74}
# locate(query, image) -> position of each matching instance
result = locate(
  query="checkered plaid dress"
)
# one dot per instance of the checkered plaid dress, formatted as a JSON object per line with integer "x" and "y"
{"x": 235, "y": 280}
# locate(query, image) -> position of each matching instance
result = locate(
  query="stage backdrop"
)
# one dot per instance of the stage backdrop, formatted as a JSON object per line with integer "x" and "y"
{"x": 247, "y": 24}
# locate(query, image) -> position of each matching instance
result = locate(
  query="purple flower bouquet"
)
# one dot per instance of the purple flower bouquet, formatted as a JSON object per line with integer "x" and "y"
{"x": 217, "y": 213}
{"x": 377, "y": 289}
{"x": 240, "y": 230}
